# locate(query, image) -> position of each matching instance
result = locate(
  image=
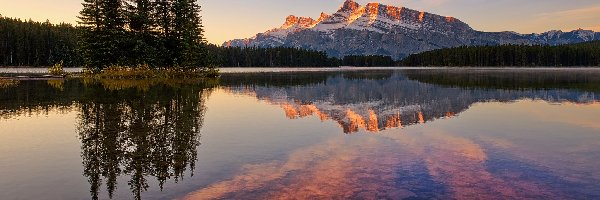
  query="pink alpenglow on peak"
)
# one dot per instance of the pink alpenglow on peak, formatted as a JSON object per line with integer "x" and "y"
{"x": 323, "y": 17}
{"x": 301, "y": 22}
{"x": 349, "y": 6}
{"x": 378, "y": 29}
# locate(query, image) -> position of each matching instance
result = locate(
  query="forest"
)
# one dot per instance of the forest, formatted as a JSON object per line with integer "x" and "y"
{"x": 582, "y": 54}
{"x": 368, "y": 61}
{"x": 157, "y": 33}
{"x": 29, "y": 43}
{"x": 269, "y": 57}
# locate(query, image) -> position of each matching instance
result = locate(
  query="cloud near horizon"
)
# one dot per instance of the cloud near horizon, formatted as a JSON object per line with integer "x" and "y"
{"x": 579, "y": 13}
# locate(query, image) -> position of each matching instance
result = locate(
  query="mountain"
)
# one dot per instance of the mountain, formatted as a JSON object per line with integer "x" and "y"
{"x": 377, "y": 29}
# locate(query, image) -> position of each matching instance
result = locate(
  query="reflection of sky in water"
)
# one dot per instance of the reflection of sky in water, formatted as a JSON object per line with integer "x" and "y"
{"x": 493, "y": 150}
{"x": 278, "y": 142}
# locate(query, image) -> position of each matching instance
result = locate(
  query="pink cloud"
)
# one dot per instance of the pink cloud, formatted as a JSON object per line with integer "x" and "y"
{"x": 580, "y": 13}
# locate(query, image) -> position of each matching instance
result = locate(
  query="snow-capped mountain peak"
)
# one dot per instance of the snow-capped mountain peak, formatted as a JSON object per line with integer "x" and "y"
{"x": 299, "y": 22}
{"x": 349, "y": 6}
{"x": 378, "y": 29}
{"x": 371, "y": 17}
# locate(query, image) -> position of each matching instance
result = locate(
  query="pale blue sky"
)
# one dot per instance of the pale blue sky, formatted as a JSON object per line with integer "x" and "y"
{"x": 229, "y": 19}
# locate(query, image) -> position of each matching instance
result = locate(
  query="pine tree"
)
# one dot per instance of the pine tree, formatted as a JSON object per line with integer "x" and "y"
{"x": 140, "y": 13}
{"x": 102, "y": 40}
{"x": 190, "y": 51}
{"x": 132, "y": 32}
{"x": 90, "y": 20}
{"x": 142, "y": 39}
{"x": 89, "y": 16}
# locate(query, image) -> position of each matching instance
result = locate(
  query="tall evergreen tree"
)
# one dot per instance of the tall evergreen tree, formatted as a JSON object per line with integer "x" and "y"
{"x": 188, "y": 32}
{"x": 143, "y": 40}
{"x": 103, "y": 38}
{"x": 90, "y": 19}
{"x": 140, "y": 13}
{"x": 161, "y": 33}
{"x": 163, "y": 25}
{"x": 90, "y": 16}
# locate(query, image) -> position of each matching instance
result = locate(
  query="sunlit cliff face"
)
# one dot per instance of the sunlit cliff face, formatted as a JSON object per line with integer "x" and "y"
{"x": 349, "y": 6}
{"x": 302, "y": 22}
{"x": 351, "y": 11}
{"x": 358, "y": 13}
{"x": 375, "y": 11}
{"x": 322, "y": 17}
{"x": 394, "y": 12}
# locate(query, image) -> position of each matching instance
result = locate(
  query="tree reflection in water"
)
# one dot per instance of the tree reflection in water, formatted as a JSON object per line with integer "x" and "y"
{"x": 140, "y": 134}
{"x": 145, "y": 131}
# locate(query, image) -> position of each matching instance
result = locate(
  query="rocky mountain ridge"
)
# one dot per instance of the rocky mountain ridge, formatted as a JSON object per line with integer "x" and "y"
{"x": 378, "y": 29}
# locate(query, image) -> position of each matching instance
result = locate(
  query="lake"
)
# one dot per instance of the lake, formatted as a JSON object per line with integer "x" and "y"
{"x": 310, "y": 134}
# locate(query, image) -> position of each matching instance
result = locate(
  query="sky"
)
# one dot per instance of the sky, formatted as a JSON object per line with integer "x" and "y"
{"x": 233, "y": 19}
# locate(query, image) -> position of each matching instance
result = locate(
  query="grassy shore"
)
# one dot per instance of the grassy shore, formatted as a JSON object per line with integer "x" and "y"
{"x": 6, "y": 83}
{"x": 145, "y": 72}
{"x": 143, "y": 77}
{"x": 118, "y": 77}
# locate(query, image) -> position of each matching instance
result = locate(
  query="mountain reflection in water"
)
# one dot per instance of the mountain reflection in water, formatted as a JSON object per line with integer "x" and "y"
{"x": 139, "y": 135}
{"x": 387, "y": 99}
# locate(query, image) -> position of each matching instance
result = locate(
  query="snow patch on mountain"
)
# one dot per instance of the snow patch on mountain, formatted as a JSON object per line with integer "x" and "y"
{"x": 395, "y": 31}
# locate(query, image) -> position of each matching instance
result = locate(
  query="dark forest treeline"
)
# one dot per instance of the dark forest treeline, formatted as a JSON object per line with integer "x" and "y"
{"x": 29, "y": 43}
{"x": 289, "y": 57}
{"x": 270, "y": 57}
{"x": 368, "y": 61}
{"x": 582, "y": 54}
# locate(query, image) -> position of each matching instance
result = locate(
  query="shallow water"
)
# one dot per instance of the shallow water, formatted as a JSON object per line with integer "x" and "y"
{"x": 40, "y": 70}
{"x": 463, "y": 134}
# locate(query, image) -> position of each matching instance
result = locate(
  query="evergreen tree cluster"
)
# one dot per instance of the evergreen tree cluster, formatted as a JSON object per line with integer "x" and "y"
{"x": 29, "y": 43}
{"x": 270, "y": 57}
{"x": 159, "y": 33}
{"x": 368, "y": 61}
{"x": 582, "y": 54}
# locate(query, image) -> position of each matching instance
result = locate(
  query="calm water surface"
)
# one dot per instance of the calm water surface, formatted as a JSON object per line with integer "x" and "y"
{"x": 379, "y": 134}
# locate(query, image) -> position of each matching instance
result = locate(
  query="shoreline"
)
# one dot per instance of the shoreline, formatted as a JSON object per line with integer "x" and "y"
{"x": 225, "y": 70}
{"x": 307, "y": 69}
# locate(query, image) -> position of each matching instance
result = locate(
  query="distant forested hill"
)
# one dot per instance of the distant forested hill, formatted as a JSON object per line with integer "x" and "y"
{"x": 29, "y": 43}
{"x": 582, "y": 54}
